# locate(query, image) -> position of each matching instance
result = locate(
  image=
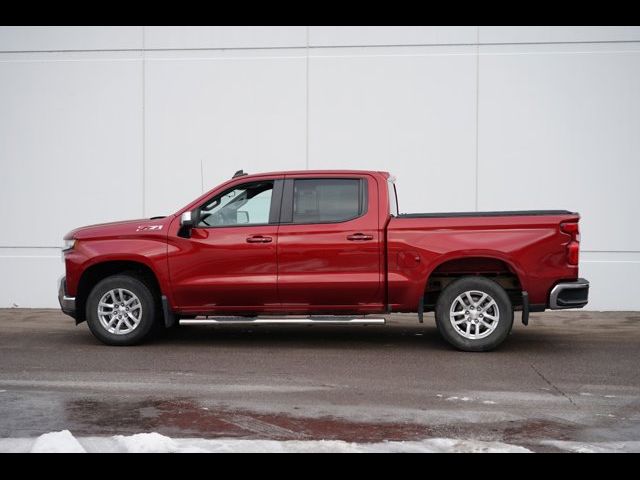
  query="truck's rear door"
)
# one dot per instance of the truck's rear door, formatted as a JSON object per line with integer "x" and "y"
{"x": 329, "y": 248}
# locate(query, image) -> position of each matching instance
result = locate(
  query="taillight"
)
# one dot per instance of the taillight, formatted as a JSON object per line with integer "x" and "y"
{"x": 573, "y": 249}
{"x": 571, "y": 228}
{"x": 573, "y": 253}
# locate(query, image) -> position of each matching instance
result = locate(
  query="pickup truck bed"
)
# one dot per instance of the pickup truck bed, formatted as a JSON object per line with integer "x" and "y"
{"x": 524, "y": 251}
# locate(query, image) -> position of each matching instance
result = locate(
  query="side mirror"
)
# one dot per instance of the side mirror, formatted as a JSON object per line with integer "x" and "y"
{"x": 242, "y": 217}
{"x": 190, "y": 219}
{"x": 186, "y": 220}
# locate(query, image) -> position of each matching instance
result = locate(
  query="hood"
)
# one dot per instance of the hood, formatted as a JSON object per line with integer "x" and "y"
{"x": 143, "y": 226}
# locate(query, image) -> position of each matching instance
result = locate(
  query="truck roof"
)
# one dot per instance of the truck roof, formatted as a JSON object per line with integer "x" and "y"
{"x": 319, "y": 172}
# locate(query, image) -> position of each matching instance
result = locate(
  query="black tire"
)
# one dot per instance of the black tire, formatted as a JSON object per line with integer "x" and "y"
{"x": 149, "y": 313}
{"x": 472, "y": 324}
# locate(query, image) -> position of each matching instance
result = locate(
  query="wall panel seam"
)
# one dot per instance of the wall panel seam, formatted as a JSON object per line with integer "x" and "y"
{"x": 307, "y": 103}
{"x": 383, "y": 45}
{"x": 462, "y": 44}
{"x": 144, "y": 128}
{"x": 477, "y": 116}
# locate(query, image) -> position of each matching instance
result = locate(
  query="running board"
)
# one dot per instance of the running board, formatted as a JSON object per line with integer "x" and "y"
{"x": 282, "y": 321}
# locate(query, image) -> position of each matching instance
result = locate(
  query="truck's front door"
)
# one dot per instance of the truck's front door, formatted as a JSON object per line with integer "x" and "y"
{"x": 228, "y": 263}
{"x": 329, "y": 244}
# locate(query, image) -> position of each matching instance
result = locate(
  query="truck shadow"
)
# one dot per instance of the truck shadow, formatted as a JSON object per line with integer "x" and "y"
{"x": 417, "y": 336}
{"x": 300, "y": 336}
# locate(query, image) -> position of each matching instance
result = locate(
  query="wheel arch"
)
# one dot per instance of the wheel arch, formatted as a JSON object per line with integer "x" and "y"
{"x": 489, "y": 265}
{"x": 101, "y": 270}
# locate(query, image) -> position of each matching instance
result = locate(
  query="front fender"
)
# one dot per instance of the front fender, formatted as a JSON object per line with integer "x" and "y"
{"x": 88, "y": 253}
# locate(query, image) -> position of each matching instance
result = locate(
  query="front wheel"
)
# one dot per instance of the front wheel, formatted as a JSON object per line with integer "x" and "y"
{"x": 121, "y": 310}
{"x": 474, "y": 314}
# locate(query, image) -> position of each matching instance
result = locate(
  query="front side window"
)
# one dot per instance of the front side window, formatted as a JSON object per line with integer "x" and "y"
{"x": 247, "y": 204}
{"x": 328, "y": 200}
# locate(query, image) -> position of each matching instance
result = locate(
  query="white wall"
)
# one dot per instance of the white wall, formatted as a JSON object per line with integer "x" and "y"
{"x": 107, "y": 123}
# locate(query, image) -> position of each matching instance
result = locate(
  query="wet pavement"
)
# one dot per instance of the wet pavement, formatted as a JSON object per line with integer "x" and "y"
{"x": 572, "y": 376}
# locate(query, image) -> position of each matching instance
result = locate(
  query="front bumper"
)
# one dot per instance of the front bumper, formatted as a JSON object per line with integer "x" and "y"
{"x": 569, "y": 294}
{"x": 67, "y": 304}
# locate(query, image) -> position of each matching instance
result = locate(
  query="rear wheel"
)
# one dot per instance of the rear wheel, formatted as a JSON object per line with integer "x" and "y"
{"x": 474, "y": 314}
{"x": 121, "y": 310}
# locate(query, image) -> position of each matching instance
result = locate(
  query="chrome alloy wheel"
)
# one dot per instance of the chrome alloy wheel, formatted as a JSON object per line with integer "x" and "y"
{"x": 474, "y": 314}
{"x": 119, "y": 311}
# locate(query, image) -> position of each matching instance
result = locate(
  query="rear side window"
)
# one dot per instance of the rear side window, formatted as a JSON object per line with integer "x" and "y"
{"x": 327, "y": 200}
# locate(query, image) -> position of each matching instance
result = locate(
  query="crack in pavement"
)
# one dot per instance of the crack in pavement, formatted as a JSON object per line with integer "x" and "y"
{"x": 552, "y": 385}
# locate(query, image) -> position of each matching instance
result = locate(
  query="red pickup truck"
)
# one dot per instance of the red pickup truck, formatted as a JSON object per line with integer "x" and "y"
{"x": 324, "y": 247}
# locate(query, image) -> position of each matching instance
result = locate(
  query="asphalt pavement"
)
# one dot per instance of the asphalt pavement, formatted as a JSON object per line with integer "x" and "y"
{"x": 567, "y": 377}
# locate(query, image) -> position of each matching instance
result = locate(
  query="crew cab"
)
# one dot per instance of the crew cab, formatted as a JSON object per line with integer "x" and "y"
{"x": 320, "y": 247}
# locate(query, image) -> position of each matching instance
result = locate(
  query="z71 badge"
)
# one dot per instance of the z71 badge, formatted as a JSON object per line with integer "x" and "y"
{"x": 147, "y": 228}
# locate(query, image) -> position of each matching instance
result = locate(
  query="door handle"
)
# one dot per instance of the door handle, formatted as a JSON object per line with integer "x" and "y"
{"x": 259, "y": 239}
{"x": 359, "y": 237}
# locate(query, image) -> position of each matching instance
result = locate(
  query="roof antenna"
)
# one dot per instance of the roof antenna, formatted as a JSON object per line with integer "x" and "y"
{"x": 239, "y": 173}
{"x": 201, "y": 177}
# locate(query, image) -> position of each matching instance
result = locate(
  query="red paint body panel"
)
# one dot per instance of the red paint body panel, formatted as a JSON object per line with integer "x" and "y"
{"x": 119, "y": 241}
{"x": 217, "y": 270}
{"x": 314, "y": 268}
{"x": 320, "y": 269}
{"x": 532, "y": 246}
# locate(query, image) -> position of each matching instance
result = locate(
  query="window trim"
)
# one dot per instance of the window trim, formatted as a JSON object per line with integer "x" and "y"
{"x": 286, "y": 210}
{"x": 274, "y": 209}
{"x": 391, "y": 190}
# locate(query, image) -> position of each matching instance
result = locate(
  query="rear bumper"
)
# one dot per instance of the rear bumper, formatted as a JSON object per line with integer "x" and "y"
{"x": 569, "y": 294}
{"x": 67, "y": 304}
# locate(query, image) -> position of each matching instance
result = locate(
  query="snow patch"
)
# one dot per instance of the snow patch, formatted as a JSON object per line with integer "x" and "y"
{"x": 595, "y": 447}
{"x": 64, "y": 441}
{"x": 469, "y": 399}
{"x": 57, "y": 442}
{"x": 146, "y": 442}
{"x": 153, "y": 442}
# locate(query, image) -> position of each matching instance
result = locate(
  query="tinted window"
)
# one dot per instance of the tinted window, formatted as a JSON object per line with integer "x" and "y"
{"x": 247, "y": 204}
{"x": 327, "y": 200}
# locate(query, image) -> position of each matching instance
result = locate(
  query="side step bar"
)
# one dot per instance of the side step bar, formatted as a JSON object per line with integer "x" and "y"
{"x": 282, "y": 321}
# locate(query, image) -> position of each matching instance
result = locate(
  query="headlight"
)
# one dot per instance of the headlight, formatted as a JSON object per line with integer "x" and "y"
{"x": 68, "y": 245}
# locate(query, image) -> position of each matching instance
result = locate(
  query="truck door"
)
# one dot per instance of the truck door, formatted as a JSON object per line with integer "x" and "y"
{"x": 329, "y": 244}
{"x": 229, "y": 261}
